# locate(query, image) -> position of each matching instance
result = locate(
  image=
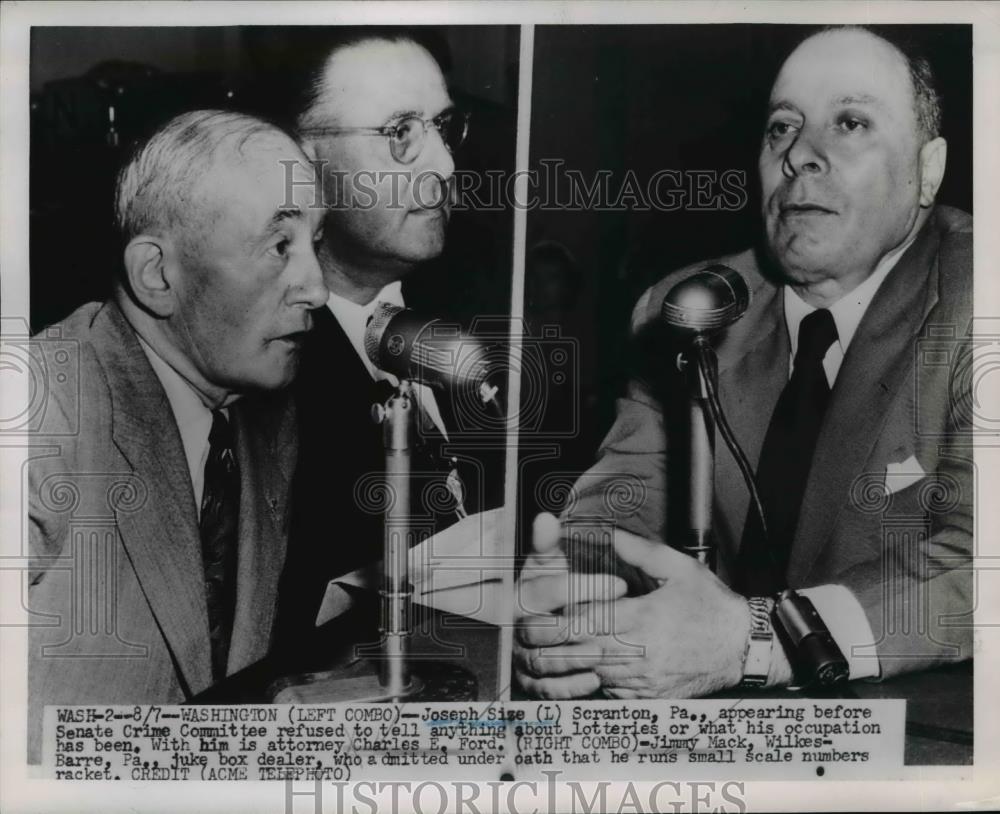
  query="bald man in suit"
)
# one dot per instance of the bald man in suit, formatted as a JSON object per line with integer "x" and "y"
{"x": 868, "y": 490}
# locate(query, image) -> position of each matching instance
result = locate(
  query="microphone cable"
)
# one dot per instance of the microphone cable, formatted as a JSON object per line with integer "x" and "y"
{"x": 705, "y": 367}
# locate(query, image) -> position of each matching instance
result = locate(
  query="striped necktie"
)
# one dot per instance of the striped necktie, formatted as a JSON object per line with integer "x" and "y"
{"x": 220, "y": 506}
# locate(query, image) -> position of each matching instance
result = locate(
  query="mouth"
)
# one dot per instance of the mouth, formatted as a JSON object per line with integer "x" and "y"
{"x": 804, "y": 208}
{"x": 430, "y": 200}
{"x": 294, "y": 339}
{"x": 438, "y": 210}
{"x": 429, "y": 215}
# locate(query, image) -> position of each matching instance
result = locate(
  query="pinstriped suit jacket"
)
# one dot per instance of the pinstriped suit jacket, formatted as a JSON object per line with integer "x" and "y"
{"x": 116, "y": 591}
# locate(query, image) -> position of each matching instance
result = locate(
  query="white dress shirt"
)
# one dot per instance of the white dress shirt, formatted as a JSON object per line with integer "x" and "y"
{"x": 838, "y": 607}
{"x": 193, "y": 419}
{"x": 847, "y": 313}
{"x": 353, "y": 318}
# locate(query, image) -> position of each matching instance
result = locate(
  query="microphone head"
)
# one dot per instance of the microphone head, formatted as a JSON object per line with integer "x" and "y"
{"x": 375, "y": 330}
{"x": 713, "y": 298}
{"x": 413, "y": 346}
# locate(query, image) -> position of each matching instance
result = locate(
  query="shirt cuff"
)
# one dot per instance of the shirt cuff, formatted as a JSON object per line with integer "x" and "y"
{"x": 843, "y": 615}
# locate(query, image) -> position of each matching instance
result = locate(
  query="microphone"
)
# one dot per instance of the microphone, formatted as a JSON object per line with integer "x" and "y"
{"x": 419, "y": 348}
{"x": 714, "y": 298}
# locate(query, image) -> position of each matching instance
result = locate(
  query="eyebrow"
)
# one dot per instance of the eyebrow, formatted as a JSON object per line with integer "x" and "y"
{"x": 782, "y": 105}
{"x": 403, "y": 114}
{"x": 406, "y": 114}
{"x": 283, "y": 214}
{"x": 848, "y": 99}
{"x": 858, "y": 99}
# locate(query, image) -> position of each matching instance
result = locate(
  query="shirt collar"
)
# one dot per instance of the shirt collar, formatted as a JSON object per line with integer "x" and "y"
{"x": 193, "y": 418}
{"x": 849, "y": 310}
{"x": 353, "y": 318}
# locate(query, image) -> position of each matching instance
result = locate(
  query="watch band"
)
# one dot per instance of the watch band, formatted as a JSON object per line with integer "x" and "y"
{"x": 757, "y": 656}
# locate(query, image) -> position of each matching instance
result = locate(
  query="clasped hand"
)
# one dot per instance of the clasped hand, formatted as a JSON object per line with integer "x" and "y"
{"x": 578, "y": 633}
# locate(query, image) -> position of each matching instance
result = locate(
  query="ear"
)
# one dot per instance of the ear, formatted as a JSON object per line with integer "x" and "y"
{"x": 146, "y": 260}
{"x": 933, "y": 157}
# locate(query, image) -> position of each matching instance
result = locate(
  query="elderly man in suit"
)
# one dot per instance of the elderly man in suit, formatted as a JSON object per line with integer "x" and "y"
{"x": 861, "y": 445}
{"x": 160, "y": 482}
{"x": 381, "y": 127}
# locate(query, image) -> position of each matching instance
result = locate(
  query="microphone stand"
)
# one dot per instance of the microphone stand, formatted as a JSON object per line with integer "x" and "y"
{"x": 699, "y": 364}
{"x": 395, "y": 681}
{"x": 395, "y": 623}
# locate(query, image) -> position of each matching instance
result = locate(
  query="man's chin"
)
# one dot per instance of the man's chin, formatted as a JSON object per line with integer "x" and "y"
{"x": 426, "y": 245}
{"x": 275, "y": 375}
{"x": 802, "y": 259}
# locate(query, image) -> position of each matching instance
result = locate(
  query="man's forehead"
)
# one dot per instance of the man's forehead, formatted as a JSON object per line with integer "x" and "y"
{"x": 843, "y": 67}
{"x": 371, "y": 82}
{"x": 266, "y": 182}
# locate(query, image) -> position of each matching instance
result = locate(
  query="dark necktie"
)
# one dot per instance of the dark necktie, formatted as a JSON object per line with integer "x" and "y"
{"x": 785, "y": 460}
{"x": 220, "y": 506}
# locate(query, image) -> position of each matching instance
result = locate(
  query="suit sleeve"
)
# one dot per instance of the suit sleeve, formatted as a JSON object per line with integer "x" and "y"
{"x": 627, "y": 484}
{"x": 50, "y": 489}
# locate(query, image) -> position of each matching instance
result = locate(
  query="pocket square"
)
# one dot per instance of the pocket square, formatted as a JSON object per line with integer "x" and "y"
{"x": 902, "y": 475}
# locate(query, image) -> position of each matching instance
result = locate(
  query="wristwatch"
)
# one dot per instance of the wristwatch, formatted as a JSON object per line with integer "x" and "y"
{"x": 757, "y": 656}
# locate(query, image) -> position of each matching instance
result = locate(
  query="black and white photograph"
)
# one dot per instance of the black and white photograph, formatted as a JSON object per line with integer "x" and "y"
{"x": 720, "y": 215}
{"x": 502, "y": 406}
{"x": 300, "y": 491}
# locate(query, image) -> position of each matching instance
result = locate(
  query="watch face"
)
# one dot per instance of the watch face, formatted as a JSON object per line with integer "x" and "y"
{"x": 833, "y": 673}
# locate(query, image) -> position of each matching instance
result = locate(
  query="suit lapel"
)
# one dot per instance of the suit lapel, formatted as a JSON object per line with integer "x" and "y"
{"x": 265, "y": 474}
{"x": 162, "y": 539}
{"x": 877, "y": 362}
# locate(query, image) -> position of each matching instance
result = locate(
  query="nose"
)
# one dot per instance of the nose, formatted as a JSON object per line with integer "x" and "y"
{"x": 308, "y": 288}
{"x": 805, "y": 155}
{"x": 430, "y": 178}
{"x": 436, "y": 157}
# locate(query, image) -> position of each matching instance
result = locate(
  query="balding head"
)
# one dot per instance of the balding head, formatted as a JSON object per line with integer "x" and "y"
{"x": 349, "y": 71}
{"x": 925, "y": 98}
{"x": 165, "y": 186}
{"x": 847, "y": 169}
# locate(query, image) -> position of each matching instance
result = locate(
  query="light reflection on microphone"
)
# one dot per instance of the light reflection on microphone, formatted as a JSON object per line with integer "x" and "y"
{"x": 715, "y": 297}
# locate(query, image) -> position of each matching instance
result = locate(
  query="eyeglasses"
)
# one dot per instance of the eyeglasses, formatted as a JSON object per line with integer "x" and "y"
{"x": 408, "y": 136}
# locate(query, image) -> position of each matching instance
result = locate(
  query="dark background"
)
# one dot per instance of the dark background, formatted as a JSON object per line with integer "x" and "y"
{"x": 150, "y": 74}
{"x": 683, "y": 97}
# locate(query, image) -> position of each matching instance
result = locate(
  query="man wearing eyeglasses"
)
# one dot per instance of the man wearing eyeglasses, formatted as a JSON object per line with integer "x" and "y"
{"x": 379, "y": 123}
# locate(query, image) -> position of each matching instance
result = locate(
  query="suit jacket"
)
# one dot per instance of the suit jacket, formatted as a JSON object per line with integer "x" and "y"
{"x": 900, "y": 404}
{"x": 116, "y": 595}
{"x": 337, "y": 517}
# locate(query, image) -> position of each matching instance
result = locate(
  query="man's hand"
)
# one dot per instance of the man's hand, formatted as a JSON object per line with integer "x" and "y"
{"x": 561, "y": 668}
{"x": 685, "y": 639}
